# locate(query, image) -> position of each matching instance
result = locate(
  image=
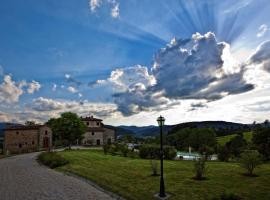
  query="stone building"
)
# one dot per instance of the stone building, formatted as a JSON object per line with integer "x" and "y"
{"x": 22, "y": 139}
{"x": 97, "y": 134}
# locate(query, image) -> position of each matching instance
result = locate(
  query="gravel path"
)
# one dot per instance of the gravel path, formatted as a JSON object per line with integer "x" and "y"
{"x": 22, "y": 178}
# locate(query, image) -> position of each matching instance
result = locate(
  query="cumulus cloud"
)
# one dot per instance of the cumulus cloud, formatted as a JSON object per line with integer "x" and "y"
{"x": 52, "y": 107}
{"x": 263, "y": 29}
{"x": 33, "y": 87}
{"x": 94, "y": 4}
{"x": 115, "y": 11}
{"x": 10, "y": 91}
{"x": 262, "y": 56}
{"x": 72, "y": 89}
{"x": 195, "y": 68}
{"x": 113, "y": 4}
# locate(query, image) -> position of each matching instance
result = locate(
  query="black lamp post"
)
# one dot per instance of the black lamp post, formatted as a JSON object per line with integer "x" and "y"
{"x": 161, "y": 121}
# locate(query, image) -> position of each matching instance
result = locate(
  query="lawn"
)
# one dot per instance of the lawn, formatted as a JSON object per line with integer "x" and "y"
{"x": 130, "y": 177}
{"x": 224, "y": 139}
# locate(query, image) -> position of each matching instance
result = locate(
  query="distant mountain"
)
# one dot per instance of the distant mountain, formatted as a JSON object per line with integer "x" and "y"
{"x": 120, "y": 131}
{"x": 146, "y": 131}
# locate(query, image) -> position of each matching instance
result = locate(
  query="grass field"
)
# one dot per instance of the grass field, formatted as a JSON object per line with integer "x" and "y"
{"x": 224, "y": 139}
{"x": 131, "y": 178}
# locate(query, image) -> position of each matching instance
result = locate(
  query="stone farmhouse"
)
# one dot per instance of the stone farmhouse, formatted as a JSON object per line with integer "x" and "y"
{"x": 23, "y": 139}
{"x": 96, "y": 133}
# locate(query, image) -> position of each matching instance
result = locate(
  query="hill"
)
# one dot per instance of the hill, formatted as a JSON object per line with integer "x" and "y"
{"x": 222, "y": 140}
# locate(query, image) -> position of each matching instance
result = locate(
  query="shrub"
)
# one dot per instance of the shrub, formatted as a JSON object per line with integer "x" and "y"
{"x": 154, "y": 167}
{"x": 106, "y": 148}
{"x": 249, "y": 160}
{"x": 153, "y": 152}
{"x": 123, "y": 149}
{"x": 223, "y": 153}
{"x": 199, "y": 168}
{"x": 112, "y": 149}
{"x": 52, "y": 159}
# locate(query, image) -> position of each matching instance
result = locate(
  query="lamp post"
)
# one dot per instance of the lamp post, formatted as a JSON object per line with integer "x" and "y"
{"x": 161, "y": 121}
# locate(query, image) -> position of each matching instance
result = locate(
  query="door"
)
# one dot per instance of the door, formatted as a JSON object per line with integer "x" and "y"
{"x": 98, "y": 142}
{"x": 45, "y": 142}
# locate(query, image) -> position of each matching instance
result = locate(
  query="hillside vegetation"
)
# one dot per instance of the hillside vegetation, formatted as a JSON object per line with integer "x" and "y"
{"x": 222, "y": 140}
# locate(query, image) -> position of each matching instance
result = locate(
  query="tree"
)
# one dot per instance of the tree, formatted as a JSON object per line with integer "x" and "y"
{"x": 67, "y": 127}
{"x": 199, "y": 168}
{"x": 223, "y": 153}
{"x": 249, "y": 160}
{"x": 236, "y": 145}
{"x": 261, "y": 140}
{"x": 30, "y": 123}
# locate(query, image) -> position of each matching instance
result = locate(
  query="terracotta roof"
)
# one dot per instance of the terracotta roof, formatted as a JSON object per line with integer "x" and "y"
{"x": 22, "y": 127}
{"x": 91, "y": 118}
{"x": 91, "y": 129}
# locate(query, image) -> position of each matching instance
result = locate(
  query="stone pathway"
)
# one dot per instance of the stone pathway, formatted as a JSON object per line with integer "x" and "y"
{"x": 22, "y": 178}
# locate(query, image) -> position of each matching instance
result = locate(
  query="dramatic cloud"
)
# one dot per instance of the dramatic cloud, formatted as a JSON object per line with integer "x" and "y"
{"x": 10, "y": 91}
{"x": 196, "y": 68}
{"x": 262, "y": 30}
{"x": 33, "y": 87}
{"x": 262, "y": 56}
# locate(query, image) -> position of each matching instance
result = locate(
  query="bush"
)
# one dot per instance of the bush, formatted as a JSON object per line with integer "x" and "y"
{"x": 106, "y": 148}
{"x": 250, "y": 160}
{"x": 153, "y": 152}
{"x": 206, "y": 152}
{"x": 123, "y": 149}
{"x": 223, "y": 153}
{"x": 52, "y": 159}
{"x": 199, "y": 168}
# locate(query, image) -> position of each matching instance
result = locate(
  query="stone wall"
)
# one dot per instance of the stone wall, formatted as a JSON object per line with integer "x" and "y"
{"x": 45, "y": 132}
{"x": 109, "y": 136}
{"x": 92, "y": 138}
{"x": 21, "y": 141}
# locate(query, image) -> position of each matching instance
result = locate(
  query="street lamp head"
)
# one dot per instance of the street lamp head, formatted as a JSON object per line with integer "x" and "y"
{"x": 161, "y": 120}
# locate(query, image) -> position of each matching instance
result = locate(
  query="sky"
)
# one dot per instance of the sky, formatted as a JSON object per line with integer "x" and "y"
{"x": 129, "y": 61}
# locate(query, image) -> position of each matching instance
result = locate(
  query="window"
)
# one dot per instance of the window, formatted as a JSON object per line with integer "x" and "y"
{"x": 93, "y": 133}
{"x": 33, "y": 142}
{"x": 46, "y": 132}
{"x": 87, "y": 123}
{"x": 97, "y": 123}
{"x": 20, "y": 145}
{"x": 17, "y": 132}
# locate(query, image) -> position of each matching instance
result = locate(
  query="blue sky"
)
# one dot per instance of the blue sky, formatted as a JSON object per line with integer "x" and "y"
{"x": 99, "y": 57}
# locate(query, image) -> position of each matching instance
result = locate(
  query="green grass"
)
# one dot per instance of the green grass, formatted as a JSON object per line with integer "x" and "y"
{"x": 224, "y": 139}
{"x": 131, "y": 178}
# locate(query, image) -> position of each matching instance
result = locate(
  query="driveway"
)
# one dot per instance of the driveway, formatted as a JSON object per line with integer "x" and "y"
{"x": 22, "y": 178}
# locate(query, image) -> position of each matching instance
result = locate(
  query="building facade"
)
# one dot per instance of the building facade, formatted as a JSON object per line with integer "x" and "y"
{"x": 23, "y": 139}
{"x": 97, "y": 134}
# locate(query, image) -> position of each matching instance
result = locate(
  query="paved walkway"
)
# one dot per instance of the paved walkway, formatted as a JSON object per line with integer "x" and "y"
{"x": 22, "y": 178}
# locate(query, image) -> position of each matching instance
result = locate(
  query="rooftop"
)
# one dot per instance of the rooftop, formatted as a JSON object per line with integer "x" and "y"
{"x": 23, "y": 127}
{"x": 90, "y": 118}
